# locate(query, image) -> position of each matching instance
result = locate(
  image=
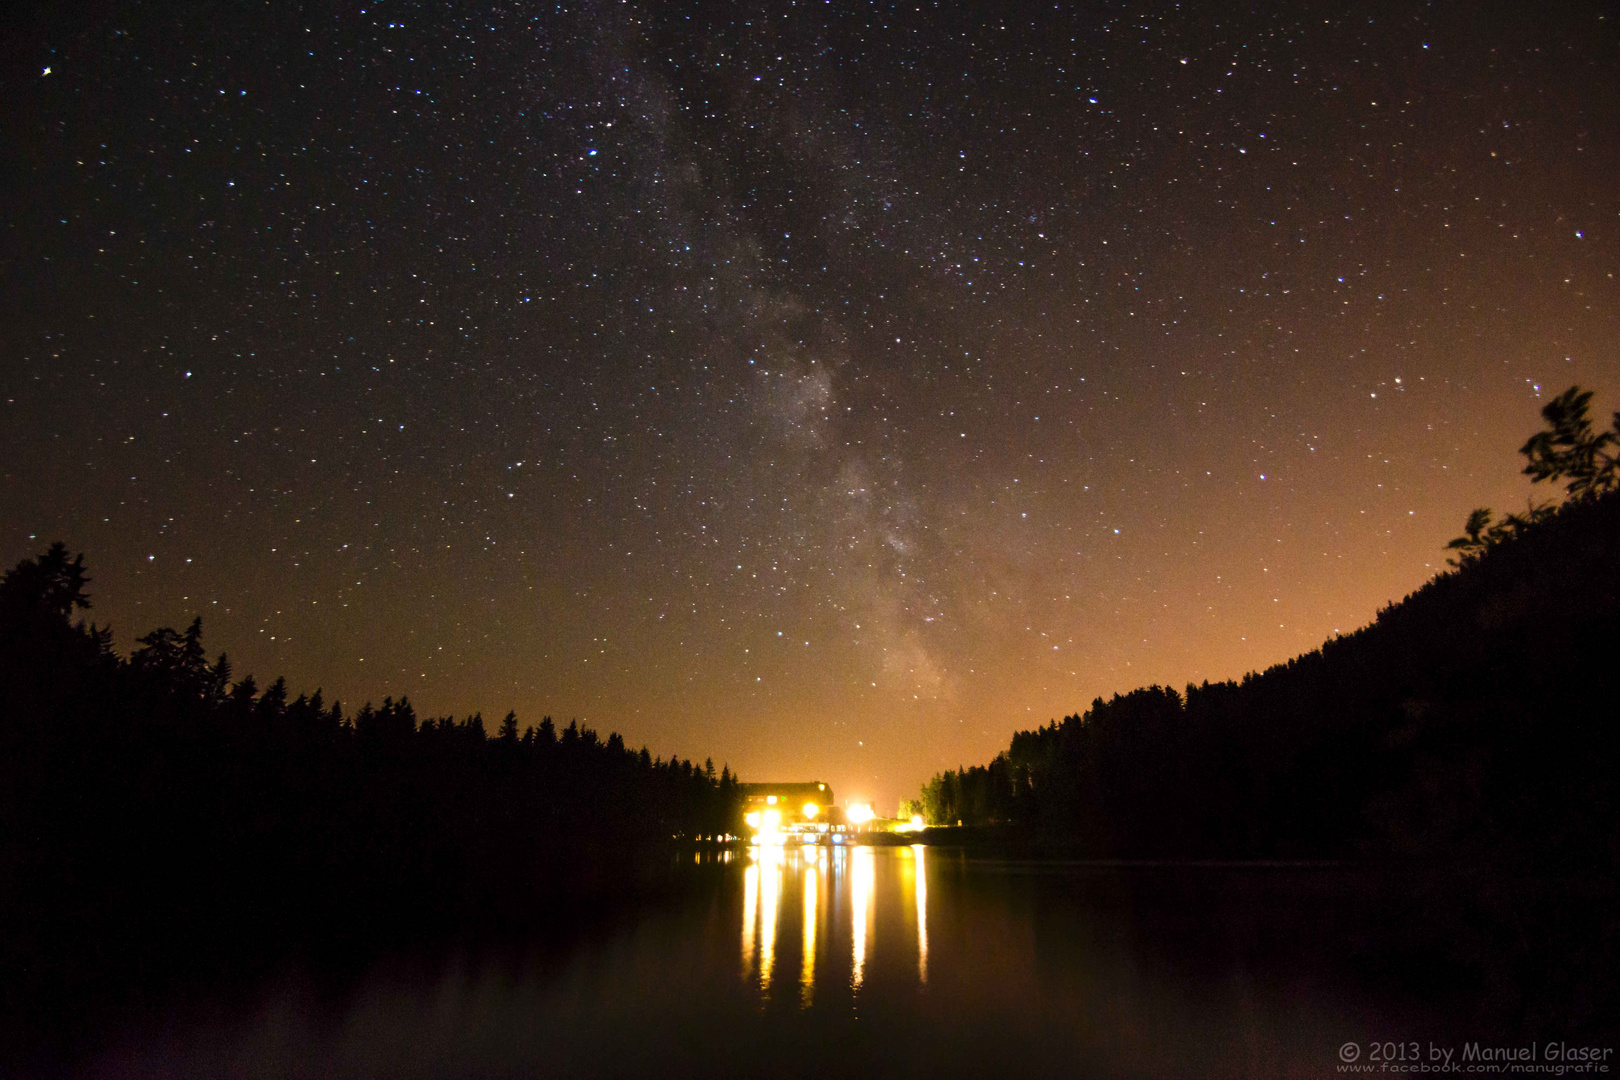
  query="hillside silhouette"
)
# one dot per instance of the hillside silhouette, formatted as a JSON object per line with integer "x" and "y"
{"x": 1465, "y": 745}
{"x": 1475, "y": 719}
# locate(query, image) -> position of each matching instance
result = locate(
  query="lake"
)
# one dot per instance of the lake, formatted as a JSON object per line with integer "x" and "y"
{"x": 901, "y": 961}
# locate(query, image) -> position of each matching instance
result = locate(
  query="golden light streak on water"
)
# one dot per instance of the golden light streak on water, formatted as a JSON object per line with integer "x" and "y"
{"x": 862, "y": 874}
{"x": 807, "y": 974}
{"x": 770, "y": 900}
{"x": 922, "y": 913}
{"x": 750, "y": 915}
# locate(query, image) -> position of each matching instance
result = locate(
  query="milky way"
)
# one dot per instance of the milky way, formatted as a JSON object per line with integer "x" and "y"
{"x": 830, "y": 388}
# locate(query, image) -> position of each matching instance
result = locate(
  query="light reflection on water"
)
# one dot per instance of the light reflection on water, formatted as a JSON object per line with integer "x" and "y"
{"x": 807, "y": 978}
{"x": 901, "y": 961}
{"x": 769, "y": 868}
{"x": 750, "y": 921}
{"x": 920, "y": 893}
{"x": 861, "y": 911}
{"x": 836, "y": 889}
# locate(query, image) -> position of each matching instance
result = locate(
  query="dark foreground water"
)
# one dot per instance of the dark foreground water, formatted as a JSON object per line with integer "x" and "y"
{"x": 886, "y": 962}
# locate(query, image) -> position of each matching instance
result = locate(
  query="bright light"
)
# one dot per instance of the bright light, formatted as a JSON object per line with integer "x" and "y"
{"x": 767, "y": 825}
{"x": 811, "y": 809}
{"x": 860, "y": 813}
{"x": 770, "y": 800}
{"x": 916, "y": 821}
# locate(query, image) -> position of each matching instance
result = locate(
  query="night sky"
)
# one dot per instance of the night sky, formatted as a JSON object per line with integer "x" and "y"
{"x": 830, "y": 388}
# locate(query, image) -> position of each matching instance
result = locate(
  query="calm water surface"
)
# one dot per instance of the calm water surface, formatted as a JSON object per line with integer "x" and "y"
{"x": 871, "y": 961}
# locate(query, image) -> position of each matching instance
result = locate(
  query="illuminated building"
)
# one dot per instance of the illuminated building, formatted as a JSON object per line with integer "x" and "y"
{"x": 802, "y": 813}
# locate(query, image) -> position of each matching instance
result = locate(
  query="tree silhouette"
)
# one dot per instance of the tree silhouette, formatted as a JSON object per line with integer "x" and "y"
{"x": 1569, "y": 450}
{"x": 1475, "y": 539}
{"x": 49, "y": 587}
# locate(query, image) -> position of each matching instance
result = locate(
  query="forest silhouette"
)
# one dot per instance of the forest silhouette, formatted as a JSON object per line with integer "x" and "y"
{"x": 1475, "y": 718}
{"x": 159, "y": 819}
{"x": 1464, "y": 744}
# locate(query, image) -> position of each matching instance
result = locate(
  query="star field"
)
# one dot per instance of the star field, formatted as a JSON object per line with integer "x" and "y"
{"x": 830, "y": 388}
